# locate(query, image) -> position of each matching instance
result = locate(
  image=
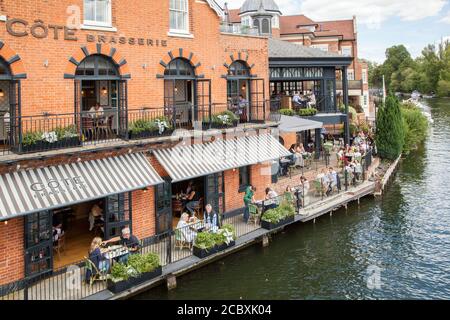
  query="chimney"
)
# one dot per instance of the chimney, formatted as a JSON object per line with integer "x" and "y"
{"x": 355, "y": 26}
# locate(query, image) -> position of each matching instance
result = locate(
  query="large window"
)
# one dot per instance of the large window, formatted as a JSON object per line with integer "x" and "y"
{"x": 179, "y": 16}
{"x": 97, "y": 12}
{"x": 244, "y": 178}
{"x": 364, "y": 76}
{"x": 351, "y": 74}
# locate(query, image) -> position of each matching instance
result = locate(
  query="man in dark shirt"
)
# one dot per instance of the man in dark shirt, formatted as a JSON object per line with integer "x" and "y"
{"x": 128, "y": 240}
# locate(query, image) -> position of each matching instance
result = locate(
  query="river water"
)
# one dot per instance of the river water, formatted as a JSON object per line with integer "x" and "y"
{"x": 394, "y": 248}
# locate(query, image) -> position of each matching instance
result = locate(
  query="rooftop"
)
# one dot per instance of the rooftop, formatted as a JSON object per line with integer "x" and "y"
{"x": 285, "y": 49}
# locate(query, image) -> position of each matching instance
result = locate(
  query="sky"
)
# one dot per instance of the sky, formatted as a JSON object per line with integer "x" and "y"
{"x": 381, "y": 23}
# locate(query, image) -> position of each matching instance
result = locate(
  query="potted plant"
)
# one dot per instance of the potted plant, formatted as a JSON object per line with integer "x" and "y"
{"x": 208, "y": 243}
{"x": 225, "y": 119}
{"x": 143, "y": 128}
{"x": 307, "y": 112}
{"x": 61, "y": 137}
{"x": 139, "y": 269}
{"x": 277, "y": 217}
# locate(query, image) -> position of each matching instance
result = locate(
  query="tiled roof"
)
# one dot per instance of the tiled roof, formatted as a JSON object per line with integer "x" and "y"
{"x": 285, "y": 49}
{"x": 234, "y": 16}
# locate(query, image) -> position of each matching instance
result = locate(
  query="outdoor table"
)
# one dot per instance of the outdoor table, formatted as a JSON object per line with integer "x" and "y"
{"x": 117, "y": 251}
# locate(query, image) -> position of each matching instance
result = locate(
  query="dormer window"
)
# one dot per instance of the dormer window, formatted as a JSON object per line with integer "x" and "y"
{"x": 179, "y": 16}
{"x": 97, "y": 13}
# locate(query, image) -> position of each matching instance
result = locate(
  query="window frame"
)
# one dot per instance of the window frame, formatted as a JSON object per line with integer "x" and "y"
{"x": 243, "y": 187}
{"x": 187, "y": 12}
{"x": 350, "y": 48}
{"x": 95, "y": 23}
{"x": 364, "y": 76}
{"x": 350, "y": 72}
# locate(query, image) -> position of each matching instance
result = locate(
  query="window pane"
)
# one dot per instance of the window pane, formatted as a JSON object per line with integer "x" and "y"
{"x": 89, "y": 9}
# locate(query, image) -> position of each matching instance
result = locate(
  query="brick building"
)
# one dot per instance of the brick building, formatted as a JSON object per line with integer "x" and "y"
{"x": 90, "y": 92}
{"x": 336, "y": 36}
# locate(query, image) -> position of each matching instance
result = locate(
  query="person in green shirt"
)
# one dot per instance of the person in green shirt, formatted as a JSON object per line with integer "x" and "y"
{"x": 249, "y": 198}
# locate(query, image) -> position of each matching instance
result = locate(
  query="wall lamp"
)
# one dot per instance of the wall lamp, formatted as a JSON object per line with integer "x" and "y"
{"x": 2, "y": 93}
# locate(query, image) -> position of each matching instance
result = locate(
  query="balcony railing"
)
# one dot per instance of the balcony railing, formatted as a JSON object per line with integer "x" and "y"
{"x": 237, "y": 28}
{"x": 323, "y": 104}
{"x": 60, "y": 131}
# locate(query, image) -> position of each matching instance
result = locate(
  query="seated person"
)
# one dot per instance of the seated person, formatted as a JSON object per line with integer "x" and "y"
{"x": 187, "y": 230}
{"x": 57, "y": 233}
{"x": 273, "y": 196}
{"x": 211, "y": 219}
{"x": 192, "y": 200}
{"x": 95, "y": 216}
{"x": 96, "y": 111}
{"x": 127, "y": 240}
{"x": 98, "y": 258}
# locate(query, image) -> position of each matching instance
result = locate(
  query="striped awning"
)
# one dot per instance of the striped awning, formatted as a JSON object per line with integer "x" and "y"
{"x": 186, "y": 162}
{"x": 33, "y": 190}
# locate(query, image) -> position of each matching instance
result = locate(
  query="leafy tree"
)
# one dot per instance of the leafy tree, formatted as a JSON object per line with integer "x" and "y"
{"x": 416, "y": 127}
{"x": 390, "y": 135}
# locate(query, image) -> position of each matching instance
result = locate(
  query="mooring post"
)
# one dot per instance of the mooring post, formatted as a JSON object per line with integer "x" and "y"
{"x": 265, "y": 240}
{"x": 345, "y": 206}
{"x": 171, "y": 282}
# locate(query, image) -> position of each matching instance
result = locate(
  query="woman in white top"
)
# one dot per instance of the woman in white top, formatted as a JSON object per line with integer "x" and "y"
{"x": 186, "y": 229}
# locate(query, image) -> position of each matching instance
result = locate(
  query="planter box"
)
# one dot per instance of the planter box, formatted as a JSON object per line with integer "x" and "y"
{"x": 203, "y": 253}
{"x": 269, "y": 226}
{"x": 116, "y": 287}
{"x": 44, "y": 146}
{"x": 149, "y": 134}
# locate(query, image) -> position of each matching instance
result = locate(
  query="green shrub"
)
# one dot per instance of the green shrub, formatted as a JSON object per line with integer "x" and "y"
{"x": 143, "y": 125}
{"x": 230, "y": 228}
{"x": 227, "y": 118}
{"x": 307, "y": 112}
{"x": 66, "y": 132}
{"x": 205, "y": 240}
{"x": 287, "y": 112}
{"x": 416, "y": 128}
{"x": 30, "y": 138}
{"x": 136, "y": 265}
{"x": 283, "y": 211}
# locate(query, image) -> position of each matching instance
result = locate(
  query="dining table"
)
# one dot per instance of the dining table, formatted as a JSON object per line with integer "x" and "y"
{"x": 116, "y": 251}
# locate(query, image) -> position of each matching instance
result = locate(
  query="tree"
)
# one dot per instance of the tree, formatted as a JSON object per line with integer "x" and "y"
{"x": 390, "y": 135}
{"x": 397, "y": 59}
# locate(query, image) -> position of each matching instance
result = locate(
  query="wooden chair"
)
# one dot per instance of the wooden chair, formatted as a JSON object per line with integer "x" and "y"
{"x": 255, "y": 215}
{"x": 87, "y": 125}
{"x": 180, "y": 240}
{"x": 105, "y": 127}
{"x": 60, "y": 245}
{"x": 96, "y": 275}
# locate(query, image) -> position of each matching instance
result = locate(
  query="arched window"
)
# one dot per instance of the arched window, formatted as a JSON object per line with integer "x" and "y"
{"x": 179, "y": 68}
{"x": 265, "y": 28}
{"x": 239, "y": 69}
{"x": 5, "y": 72}
{"x": 256, "y": 24}
{"x": 97, "y": 66}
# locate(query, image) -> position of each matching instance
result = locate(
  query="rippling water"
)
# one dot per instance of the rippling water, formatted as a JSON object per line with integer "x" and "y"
{"x": 405, "y": 238}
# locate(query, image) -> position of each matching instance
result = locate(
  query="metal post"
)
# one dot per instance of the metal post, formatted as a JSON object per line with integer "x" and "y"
{"x": 345, "y": 92}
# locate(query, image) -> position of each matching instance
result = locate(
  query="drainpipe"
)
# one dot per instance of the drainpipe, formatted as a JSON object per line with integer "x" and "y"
{"x": 345, "y": 93}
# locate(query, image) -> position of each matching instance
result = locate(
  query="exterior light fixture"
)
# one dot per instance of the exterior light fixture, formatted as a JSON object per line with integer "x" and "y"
{"x": 6, "y": 222}
{"x": 82, "y": 93}
{"x": 2, "y": 94}
{"x": 145, "y": 190}
{"x": 104, "y": 91}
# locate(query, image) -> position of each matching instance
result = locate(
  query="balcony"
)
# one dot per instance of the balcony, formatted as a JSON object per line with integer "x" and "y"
{"x": 48, "y": 132}
{"x": 355, "y": 87}
{"x": 238, "y": 29}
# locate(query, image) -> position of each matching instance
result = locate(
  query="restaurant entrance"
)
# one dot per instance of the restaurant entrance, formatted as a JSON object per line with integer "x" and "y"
{"x": 100, "y": 99}
{"x": 60, "y": 237}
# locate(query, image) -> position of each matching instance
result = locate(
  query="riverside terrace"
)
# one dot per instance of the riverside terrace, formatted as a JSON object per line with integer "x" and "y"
{"x": 175, "y": 250}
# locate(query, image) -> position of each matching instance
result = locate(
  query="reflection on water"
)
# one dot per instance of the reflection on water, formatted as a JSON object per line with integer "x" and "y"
{"x": 406, "y": 236}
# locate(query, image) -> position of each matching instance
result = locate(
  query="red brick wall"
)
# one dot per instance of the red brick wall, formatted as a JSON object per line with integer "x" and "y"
{"x": 12, "y": 264}
{"x": 233, "y": 198}
{"x": 289, "y": 138}
{"x": 132, "y": 18}
{"x": 143, "y": 214}
{"x": 261, "y": 178}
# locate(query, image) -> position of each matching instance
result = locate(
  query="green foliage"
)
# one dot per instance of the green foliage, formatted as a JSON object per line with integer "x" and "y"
{"x": 205, "y": 240}
{"x": 143, "y": 125}
{"x": 30, "y": 138}
{"x": 136, "y": 265}
{"x": 226, "y": 118}
{"x": 351, "y": 111}
{"x": 66, "y": 132}
{"x": 416, "y": 127}
{"x": 284, "y": 210}
{"x": 390, "y": 135}
{"x": 230, "y": 228}
{"x": 307, "y": 112}
{"x": 287, "y": 112}
{"x": 430, "y": 72}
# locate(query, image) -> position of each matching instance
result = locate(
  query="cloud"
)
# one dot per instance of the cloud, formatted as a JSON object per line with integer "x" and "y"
{"x": 369, "y": 12}
{"x": 446, "y": 18}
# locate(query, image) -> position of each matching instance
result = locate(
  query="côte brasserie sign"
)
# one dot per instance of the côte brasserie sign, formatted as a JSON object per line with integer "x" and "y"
{"x": 39, "y": 30}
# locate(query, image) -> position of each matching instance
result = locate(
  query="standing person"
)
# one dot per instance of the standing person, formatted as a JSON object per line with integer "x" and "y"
{"x": 192, "y": 200}
{"x": 211, "y": 219}
{"x": 249, "y": 198}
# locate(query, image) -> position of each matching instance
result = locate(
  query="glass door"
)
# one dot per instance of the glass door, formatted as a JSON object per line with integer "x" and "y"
{"x": 214, "y": 186}
{"x": 38, "y": 244}
{"x": 117, "y": 214}
{"x": 163, "y": 205}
